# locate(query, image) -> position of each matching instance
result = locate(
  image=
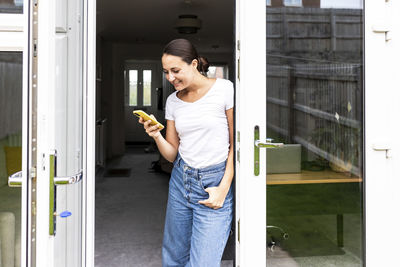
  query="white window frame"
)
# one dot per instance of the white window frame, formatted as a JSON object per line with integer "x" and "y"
{"x": 12, "y": 36}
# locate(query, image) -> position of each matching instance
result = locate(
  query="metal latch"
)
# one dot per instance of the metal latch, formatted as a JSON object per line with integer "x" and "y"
{"x": 383, "y": 147}
{"x": 15, "y": 180}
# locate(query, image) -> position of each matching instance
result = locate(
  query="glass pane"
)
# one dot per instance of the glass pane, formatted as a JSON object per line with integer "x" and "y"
{"x": 147, "y": 88}
{"x": 11, "y": 6}
{"x": 292, "y": 2}
{"x": 133, "y": 87}
{"x": 315, "y": 106}
{"x": 10, "y": 156}
{"x": 218, "y": 72}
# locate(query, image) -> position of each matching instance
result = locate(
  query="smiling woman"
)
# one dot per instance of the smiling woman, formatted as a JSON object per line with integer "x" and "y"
{"x": 199, "y": 141}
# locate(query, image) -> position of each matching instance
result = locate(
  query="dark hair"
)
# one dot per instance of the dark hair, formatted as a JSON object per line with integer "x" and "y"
{"x": 187, "y": 52}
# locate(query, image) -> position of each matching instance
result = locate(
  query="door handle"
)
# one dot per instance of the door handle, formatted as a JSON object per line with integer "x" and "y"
{"x": 15, "y": 180}
{"x": 257, "y": 145}
{"x": 54, "y": 182}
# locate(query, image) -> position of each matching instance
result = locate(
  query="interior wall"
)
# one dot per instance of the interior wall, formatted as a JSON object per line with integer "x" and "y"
{"x": 114, "y": 55}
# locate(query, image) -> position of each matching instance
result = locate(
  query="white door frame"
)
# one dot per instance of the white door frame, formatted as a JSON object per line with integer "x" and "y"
{"x": 382, "y": 129}
{"x": 250, "y": 92}
{"x": 89, "y": 131}
{"x": 381, "y": 96}
{"x": 46, "y": 49}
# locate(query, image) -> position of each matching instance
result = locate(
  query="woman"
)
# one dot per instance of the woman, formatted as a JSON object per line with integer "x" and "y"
{"x": 199, "y": 140}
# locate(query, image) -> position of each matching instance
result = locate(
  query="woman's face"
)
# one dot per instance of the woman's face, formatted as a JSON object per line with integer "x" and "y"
{"x": 178, "y": 72}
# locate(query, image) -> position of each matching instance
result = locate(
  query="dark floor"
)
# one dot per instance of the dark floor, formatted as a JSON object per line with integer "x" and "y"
{"x": 130, "y": 212}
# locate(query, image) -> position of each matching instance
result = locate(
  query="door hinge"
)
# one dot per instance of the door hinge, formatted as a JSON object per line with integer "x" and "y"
{"x": 238, "y": 44}
{"x": 238, "y": 155}
{"x": 238, "y": 136}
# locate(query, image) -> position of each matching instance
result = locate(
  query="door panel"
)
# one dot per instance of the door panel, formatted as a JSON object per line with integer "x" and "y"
{"x": 61, "y": 118}
{"x": 315, "y": 62}
{"x": 62, "y": 16}
{"x": 250, "y": 112}
{"x": 60, "y": 131}
{"x": 11, "y": 96}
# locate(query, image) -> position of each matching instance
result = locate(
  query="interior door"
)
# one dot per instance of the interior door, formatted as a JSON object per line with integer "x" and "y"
{"x": 62, "y": 44}
{"x": 143, "y": 90}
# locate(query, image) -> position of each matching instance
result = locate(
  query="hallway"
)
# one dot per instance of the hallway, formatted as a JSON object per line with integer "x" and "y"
{"x": 130, "y": 212}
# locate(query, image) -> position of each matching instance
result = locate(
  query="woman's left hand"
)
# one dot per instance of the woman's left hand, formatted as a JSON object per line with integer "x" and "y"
{"x": 216, "y": 197}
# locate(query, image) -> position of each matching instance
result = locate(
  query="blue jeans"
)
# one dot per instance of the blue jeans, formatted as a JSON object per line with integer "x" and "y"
{"x": 195, "y": 235}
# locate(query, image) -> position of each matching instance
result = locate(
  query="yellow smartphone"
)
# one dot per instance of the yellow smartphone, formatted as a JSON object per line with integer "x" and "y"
{"x": 146, "y": 117}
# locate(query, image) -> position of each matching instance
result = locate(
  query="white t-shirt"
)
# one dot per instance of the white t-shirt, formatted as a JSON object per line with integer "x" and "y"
{"x": 202, "y": 126}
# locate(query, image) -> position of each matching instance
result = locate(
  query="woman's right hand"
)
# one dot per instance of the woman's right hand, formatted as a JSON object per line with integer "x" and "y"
{"x": 152, "y": 131}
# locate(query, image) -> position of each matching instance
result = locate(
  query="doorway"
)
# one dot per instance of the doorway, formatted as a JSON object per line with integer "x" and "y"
{"x": 131, "y": 177}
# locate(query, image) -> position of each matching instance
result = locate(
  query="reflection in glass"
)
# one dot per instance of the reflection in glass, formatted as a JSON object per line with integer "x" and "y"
{"x": 147, "y": 88}
{"x": 11, "y": 6}
{"x": 133, "y": 87}
{"x": 315, "y": 105}
{"x": 292, "y": 2}
{"x": 10, "y": 156}
{"x": 218, "y": 72}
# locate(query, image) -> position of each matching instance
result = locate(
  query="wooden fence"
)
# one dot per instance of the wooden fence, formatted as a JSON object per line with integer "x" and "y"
{"x": 315, "y": 82}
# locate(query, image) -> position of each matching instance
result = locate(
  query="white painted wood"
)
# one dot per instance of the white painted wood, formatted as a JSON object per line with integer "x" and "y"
{"x": 250, "y": 111}
{"x": 61, "y": 138}
{"x": 12, "y": 22}
{"x": 382, "y": 95}
{"x": 62, "y": 13}
{"x": 26, "y": 219}
{"x": 45, "y": 128}
{"x": 89, "y": 131}
{"x": 60, "y": 113}
{"x": 11, "y": 41}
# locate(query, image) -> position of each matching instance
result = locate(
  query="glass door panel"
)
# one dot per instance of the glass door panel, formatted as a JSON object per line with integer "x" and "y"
{"x": 315, "y": 106}
{"x": 10, "y": 156}
{"x": 11, "y": 6}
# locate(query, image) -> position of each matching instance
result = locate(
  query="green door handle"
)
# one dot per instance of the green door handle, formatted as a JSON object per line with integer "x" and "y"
{"x": 257, "y": 144}
{"x": 54, "y": 182}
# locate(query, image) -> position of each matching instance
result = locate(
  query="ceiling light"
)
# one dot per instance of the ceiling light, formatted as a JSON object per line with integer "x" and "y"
{"x": 188, "y": 24}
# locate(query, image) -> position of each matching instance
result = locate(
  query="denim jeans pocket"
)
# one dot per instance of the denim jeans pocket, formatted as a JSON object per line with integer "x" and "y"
{"x": 211, "y": 179}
